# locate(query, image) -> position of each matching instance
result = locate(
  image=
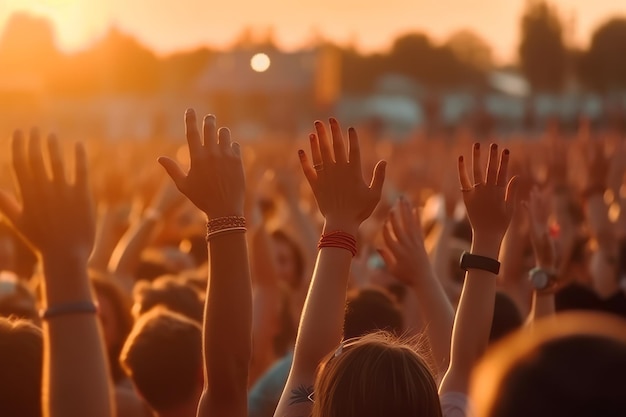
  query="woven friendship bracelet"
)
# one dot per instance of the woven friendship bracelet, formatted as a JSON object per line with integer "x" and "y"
{"x": 338, "y": 239}
{"x": 223, "y": 225}
{"x": 79, "y": 307}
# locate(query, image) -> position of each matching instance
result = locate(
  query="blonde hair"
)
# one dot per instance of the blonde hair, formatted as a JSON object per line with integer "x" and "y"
{"x": 374, "y": 376}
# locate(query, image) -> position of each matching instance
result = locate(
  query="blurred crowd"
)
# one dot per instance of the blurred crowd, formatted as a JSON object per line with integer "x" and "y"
{"x": 112, "y": 305}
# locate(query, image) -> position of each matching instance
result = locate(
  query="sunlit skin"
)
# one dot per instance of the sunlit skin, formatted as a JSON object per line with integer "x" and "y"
{"x": 369, "y": 24}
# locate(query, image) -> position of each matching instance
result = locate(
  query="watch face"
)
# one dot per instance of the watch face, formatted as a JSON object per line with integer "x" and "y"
{"x": 539, "y": 279}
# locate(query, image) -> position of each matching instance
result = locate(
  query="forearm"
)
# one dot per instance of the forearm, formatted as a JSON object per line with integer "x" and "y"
{"x": 472, "y": 323}
{"x": 512, "y": 270}
{"x": 75, "y": 360}
{"x": 438, "y": 316}
{"x": 228, "y": 321}
{"x": 321, "y": 324}
{"x": 542, "y": 307}
{"x": 127, "y": 254}
{"x": 266, "y": 302}
{"x": 106, "y": 240}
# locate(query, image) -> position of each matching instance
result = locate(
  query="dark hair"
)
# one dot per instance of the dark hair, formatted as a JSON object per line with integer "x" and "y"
{"x": 506, "y": 317}
{"x": 570, "y": 365}
{"x": 370, "y": 310}
{"x": 163, "y": 357}
{"x": 170, "y": 292}
{"x": 21, "y": 364}
{"x": 107, "y": 288}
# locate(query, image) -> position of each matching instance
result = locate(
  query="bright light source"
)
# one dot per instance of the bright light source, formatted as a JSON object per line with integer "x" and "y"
{"x": 260, "y": 62}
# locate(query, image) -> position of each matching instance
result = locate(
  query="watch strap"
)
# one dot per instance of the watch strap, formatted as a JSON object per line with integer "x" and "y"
{"x": 483, "y": 263}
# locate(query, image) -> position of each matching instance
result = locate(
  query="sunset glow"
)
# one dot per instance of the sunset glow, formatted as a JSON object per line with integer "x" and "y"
{"x": 369, "y": 25}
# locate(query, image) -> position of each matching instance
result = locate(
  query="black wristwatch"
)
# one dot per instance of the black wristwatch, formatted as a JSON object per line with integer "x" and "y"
{"x": 541, "y": 279}
{"x": 469, "y": 261}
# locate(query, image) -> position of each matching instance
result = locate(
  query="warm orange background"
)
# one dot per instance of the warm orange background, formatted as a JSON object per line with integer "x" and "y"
{"x": 167, "y": 25}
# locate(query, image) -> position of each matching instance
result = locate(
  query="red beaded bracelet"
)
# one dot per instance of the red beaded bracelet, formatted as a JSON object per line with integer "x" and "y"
{"x": 338, "y": 239}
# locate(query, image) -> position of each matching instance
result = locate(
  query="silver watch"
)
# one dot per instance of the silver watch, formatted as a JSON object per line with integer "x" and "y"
{"x": 541, "y": 279}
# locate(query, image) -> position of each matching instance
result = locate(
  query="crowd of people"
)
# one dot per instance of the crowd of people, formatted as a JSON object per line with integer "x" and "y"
{"x": 423, "y": 278}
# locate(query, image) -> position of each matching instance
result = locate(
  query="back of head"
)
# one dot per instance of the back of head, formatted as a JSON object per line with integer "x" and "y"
{"x": 371, "y": 310}
{"x": 170, "y": 292}
{"x": 163, "y": 358}
{"x": 21, "y": 357}
{"x": 375, "y": 376}
{"x": 572, "y": 365}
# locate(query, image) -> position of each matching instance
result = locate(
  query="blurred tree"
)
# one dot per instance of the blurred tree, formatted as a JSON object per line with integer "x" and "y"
{"x": 603, "y": 65}
{"x": 180, "y": 70}
{"x": 471, "y": 49}
{"x": 542, "y": 51}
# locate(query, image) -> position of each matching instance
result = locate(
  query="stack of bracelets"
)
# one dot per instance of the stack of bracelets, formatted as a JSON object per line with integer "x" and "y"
{"x": 338, "y": 239}
{"x": 225, "y": 225}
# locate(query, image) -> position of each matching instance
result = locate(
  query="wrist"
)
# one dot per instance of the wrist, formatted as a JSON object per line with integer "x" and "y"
{"x": 486, "y": 246}
{"x": 332, "y": 225}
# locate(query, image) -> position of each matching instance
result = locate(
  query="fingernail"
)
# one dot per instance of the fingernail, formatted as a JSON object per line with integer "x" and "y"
{"x": 477, "y": 146}
{"x": 312, "y": 136}
{"x": 332, "y": 120}
{"x": 461, "y": 158}
{"x": 506, "y": 152}
{"x": 301, "y": 152}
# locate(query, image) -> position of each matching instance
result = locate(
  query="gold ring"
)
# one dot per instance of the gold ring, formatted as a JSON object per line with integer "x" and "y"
{"x": 318, "y": 167}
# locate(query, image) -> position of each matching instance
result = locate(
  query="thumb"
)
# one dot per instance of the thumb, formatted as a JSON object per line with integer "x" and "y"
{"x": 512, "y": 191}
{"x": 379, "y": 178}
{"x": 173, "y": 170}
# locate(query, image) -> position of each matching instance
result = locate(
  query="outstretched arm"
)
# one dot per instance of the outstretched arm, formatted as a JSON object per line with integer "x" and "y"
{"x": 406, "y": 258}
{"x": 489, "y": 203}
{"x": 56, "y": 217}
{"x": 215, "y": 184}
{"x": 345, "y": 201}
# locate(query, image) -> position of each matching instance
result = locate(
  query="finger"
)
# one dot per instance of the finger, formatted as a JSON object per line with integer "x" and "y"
{"x": 463, "y": 176}
{"x": 378, "y": 178}
{"x": 398, "y": 227}
{"x": 324, "y": 144}
{"x": 236, "y": 147}
{"x": 56, "y": 161}
{"x": 476, "y": 166}
{"x": 492, "y": 165}
{"x": 410, "y": 218}
{"x": 315, "y": 150}
{"x": 9, "y": 207}
{"x": 35, "y": 158}
{"x": 503, "y": 169}
{"x": 224, "y": 142}
{"x": 391, "y": 242}
{"x": 511, "y": 195}
{"x": 82, "y": 171}
{"x": 22, "y": 172}
{"x": 210, "y": 134}
{"x": 307, "y": 168}
{"x": 339, "y": 148}
{"x": 191, "y": 133}
{"x": 354, "y": 156}
{"x": 173, "y": 170}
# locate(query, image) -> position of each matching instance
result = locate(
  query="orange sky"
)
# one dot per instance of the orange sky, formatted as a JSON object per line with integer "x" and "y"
{"x": 168, "y": 25}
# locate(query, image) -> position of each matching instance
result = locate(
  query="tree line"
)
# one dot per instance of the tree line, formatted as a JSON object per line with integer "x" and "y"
{"x": 118, "y": 63}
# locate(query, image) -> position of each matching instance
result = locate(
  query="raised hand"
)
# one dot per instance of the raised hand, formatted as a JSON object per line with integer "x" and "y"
{"x": 489, "y": 200}
{"x": 336, "y": 178}
{"x": 538, "y": 210}
{"x": 56, "y": 216}
{"x": 404, "y": 252}
{"x": 215, "y": 180}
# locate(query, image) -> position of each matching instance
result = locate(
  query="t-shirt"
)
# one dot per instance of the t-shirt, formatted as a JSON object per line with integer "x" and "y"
{"x": 265, "y": 394}
{"x": 455, "y": 404}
